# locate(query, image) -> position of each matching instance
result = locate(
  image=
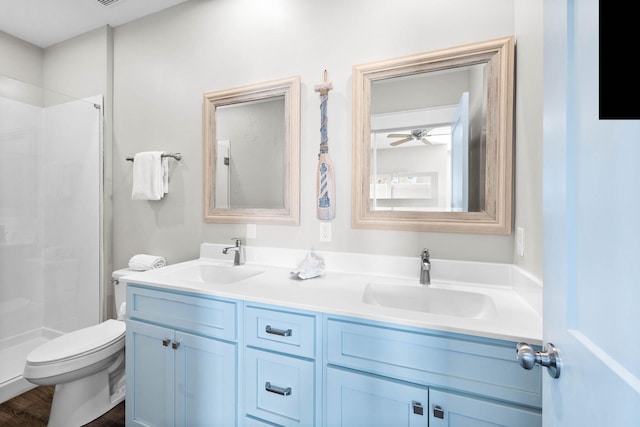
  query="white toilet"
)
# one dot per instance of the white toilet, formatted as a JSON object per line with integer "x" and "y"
{"x": 87, "y": 367}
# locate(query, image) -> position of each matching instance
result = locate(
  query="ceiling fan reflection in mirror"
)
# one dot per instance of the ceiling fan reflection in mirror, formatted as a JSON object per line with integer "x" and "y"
{"x": 426, "y": 136}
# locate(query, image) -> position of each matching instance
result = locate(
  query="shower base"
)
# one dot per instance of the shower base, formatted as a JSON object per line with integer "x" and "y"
{"x": 13, "y": 353}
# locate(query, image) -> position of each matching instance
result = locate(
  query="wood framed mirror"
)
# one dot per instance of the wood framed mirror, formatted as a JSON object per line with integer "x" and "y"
{"x": 251, "y": 137}
{"x": 432, "y": 140}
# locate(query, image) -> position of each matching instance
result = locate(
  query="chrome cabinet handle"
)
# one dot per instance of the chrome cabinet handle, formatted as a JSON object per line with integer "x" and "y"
{"x": 282, "y": 391}
{"x": 175, "y": 345}
{"x": 282, "y": 332}
{"x": 548, "y": 357}
{"x": 165, "y": 342}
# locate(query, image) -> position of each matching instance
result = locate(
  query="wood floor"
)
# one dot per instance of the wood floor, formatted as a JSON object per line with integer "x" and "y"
{"x": 31, "y": 409}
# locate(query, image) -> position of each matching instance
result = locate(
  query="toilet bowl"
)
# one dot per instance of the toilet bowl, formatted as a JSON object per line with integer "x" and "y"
{"x": 87, "y": 367}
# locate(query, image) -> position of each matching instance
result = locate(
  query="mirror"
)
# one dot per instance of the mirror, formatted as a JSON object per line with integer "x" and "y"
{"x": 252, "y": 153}
{"x": 432, "y": 140}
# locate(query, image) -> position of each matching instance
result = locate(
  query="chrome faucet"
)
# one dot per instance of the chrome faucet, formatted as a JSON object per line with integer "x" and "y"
{"x": 425, "y": 268}
{"x": 238, "y": 258}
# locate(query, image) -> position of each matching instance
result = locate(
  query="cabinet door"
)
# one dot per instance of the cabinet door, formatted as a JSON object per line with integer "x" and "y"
{"x": 355, "y": 399}
{"x": 453, "y": 410}
{"x": 150, "y": 379}
{"x": 206, "y": 390}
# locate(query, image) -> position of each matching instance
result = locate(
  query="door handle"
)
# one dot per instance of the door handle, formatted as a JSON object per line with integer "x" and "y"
{"x": 548, "y": 357}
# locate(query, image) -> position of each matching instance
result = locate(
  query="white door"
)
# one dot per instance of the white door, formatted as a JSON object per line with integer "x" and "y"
{"x": 460, "y": 156}
{"x": 223, "y": 181}
{"x": 591, "y": 232}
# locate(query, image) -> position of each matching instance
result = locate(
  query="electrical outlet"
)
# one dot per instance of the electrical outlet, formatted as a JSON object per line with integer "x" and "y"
{"x": 325, "y": 231}
{"x": 520, "y": 241}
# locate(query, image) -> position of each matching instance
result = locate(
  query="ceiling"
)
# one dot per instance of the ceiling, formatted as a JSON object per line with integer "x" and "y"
{"x": 47, "y": 22}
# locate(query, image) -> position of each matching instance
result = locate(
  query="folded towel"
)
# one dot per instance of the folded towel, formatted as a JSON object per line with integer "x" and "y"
{"x": 143, "y": 262}
{"x": 122, "y": 311}
{"x": 150, "y": 176}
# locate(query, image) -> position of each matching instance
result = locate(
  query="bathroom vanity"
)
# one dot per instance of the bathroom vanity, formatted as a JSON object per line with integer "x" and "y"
{"x": 209, "y": 343}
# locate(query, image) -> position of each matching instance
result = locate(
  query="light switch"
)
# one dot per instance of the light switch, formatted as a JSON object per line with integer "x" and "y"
{"x": 520, "y": 241}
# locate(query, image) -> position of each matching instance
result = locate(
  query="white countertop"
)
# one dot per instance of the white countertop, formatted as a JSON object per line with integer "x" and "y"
{"x": 340, "y": 290}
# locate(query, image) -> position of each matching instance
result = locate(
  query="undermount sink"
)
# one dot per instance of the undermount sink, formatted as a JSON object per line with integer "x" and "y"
{"x": 427, "y": 299}
{"x": 214, "y": 274}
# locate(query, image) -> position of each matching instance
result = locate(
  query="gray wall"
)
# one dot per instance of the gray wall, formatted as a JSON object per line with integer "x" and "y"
{"x": 20, "y": 60}
{"x": 528, "y": 134}
{"x": 164, "y": 63}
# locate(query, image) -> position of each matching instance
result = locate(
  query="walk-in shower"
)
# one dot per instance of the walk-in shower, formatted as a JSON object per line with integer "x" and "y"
{"x": 50, "y": 221}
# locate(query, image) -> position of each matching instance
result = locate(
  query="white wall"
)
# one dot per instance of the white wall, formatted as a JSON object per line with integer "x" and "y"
{"x": 165, "y": 62}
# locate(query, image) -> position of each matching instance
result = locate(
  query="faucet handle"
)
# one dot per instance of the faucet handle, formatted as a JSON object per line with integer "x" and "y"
{"x": 237, "y": 240}
{"x": 425, "y": 254}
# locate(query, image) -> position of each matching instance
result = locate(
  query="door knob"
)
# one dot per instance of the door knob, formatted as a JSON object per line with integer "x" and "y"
{"x": 548, "y": 357}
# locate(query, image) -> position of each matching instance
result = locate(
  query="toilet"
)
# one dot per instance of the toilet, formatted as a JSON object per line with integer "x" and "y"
{"x": 87, "y": 367}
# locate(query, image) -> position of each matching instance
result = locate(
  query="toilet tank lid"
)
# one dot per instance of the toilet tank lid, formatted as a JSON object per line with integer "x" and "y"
{"x": 122, "y": 272}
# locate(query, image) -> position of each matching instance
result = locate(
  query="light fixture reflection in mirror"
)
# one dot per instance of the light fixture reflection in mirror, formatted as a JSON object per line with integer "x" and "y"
{"x": 252, "y": 153}
{"x": 432, "y": 140}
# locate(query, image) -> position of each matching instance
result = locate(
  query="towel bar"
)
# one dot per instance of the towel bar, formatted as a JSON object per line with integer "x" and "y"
{"x": 176, "y": 156}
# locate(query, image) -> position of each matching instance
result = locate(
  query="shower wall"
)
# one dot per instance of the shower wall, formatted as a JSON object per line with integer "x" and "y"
{"x": 50, "y": 192}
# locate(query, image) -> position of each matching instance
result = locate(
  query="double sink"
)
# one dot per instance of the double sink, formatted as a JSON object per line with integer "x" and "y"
{"x": 410, "y": 296}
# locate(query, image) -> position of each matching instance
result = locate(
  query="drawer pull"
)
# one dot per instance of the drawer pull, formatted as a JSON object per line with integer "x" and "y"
{"x": 165, "y": 342}
{"x": 418, "y": 409}
{"x": 175, "y": 345}
{"x": 438, "y": 412}
{"x": 277, "y": 390}
{"x": 282, "y": 332}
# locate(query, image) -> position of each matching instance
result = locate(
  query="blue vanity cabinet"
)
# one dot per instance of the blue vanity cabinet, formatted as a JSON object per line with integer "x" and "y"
{"x": 182, "y": 359}
{"x": 196, "y": 360}
{"x": 281, "y": 369}
{"x": 358, "y": 399}
{"x": 424, "y": 378}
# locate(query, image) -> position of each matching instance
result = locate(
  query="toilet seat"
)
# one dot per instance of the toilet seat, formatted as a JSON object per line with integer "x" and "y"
{"x": 75, "y": 351}
{"x": 78, "y": 343}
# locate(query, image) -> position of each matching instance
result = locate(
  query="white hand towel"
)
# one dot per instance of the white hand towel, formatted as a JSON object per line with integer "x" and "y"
{"x": 150, "y": 172}
{"x": 143, "y": 262}
{"x": 122, "y": 312}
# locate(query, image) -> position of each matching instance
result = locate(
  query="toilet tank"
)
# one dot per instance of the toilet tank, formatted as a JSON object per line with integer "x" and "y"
{"x": 120, "y": 290}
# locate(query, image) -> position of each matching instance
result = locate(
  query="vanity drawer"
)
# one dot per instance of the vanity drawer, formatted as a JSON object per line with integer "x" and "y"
{"x": 280, "y": 330}
{"x": 204, "y": 315}
{"x": 481, "y": 366}
{"x": 279, "y": 389}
